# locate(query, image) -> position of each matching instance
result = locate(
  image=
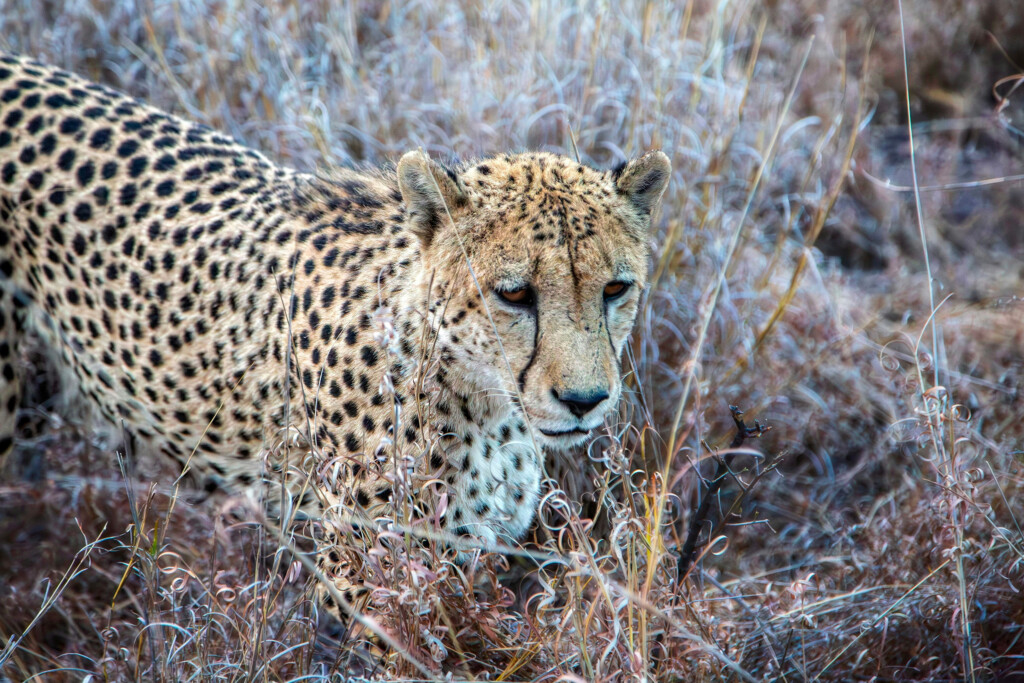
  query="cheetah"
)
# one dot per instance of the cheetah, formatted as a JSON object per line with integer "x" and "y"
{"x": 207, "y": 299}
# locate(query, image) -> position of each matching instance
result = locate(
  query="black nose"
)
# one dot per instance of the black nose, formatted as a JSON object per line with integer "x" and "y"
{"x": 580, "y": 403}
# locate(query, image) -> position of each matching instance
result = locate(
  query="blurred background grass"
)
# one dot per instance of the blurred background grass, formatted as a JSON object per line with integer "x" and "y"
{"x": 789, "y": 280}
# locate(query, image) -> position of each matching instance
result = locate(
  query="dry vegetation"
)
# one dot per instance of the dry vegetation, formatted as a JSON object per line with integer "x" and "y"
{"x": 876, "y": 532}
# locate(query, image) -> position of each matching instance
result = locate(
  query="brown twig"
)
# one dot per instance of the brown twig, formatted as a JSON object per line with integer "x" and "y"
{"x": 700, "y": 515}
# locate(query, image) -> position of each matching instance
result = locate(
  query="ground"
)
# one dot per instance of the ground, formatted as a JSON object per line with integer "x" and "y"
{"x": 876, "y": 537}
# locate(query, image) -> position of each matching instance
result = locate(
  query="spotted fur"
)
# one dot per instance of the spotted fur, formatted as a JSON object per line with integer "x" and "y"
{"x": 207, "y": 298}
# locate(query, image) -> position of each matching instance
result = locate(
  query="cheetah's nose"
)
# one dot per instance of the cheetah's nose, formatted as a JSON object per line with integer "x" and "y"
{"x": 582, "y": 402}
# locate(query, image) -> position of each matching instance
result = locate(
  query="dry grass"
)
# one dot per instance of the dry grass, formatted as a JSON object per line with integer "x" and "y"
{"x": 877, "y": 538}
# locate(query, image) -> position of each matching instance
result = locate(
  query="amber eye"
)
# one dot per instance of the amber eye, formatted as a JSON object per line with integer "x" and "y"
{"x": 613, "y": 290}
{"x": 517, "y": 297}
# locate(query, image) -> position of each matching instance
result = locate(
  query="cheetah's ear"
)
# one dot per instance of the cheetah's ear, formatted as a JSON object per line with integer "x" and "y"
{"x": 430, "y": 192}
{"x": 644, "y": 180}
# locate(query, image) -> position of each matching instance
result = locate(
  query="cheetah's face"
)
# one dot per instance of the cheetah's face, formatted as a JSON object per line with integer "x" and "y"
{"x": 559, "y": 252}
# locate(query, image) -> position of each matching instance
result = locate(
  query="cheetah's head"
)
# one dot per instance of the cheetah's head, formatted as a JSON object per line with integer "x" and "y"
{"x": 560, "y": 253}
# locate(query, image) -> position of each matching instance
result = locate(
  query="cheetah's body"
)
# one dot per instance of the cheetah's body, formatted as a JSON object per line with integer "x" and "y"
{"x": 171, "y": 266}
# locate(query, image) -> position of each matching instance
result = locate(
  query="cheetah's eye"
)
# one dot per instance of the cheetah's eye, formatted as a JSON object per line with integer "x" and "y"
{"x": 522, "y": 296}
{"x": 613, "y": 290}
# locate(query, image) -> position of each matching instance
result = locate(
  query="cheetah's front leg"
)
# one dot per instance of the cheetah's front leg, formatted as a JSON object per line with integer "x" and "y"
{"x": 496, "y": 493}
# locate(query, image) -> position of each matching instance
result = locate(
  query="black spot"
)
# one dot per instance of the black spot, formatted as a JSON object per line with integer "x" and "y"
{"x": 100, "y": 139}
{"x": 128, "y": 194}
{"x": 165, "y": 188}
{"x": 102, "y": 195}
{"x": 164, "y": 163}
{"x": 57, "y": 101}
{"x": 83, "y": 212}
{"x": 351, "y": 443}
{"x": 66, "y": 160}
{"x": 327, "y": 297}
{"x": 138, "y": 166}
{"x": 70, "y": 125}
{"x": 48, "y": 143}
{"x": 369, "y": 355}
{"x": 85, "y": 172}
{"x": 127, "y": 148}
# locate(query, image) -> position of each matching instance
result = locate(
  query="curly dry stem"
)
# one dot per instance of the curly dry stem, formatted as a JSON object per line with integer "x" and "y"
{"x": 700, "y": 515}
